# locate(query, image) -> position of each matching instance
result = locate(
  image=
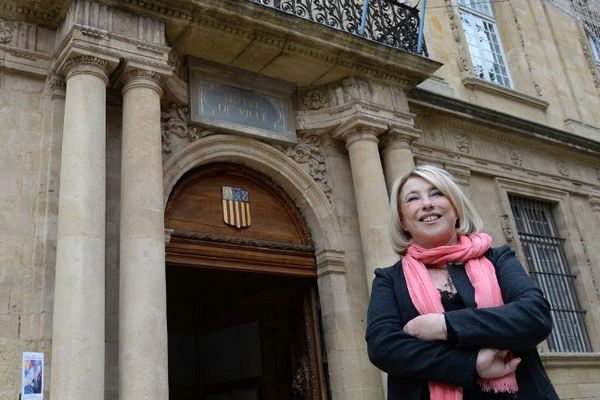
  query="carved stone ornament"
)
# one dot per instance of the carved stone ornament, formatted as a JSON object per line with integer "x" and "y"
{"x": 589, "y": 58}
{"x": 174, "y": 122}
{"x": 538, "y": 89}
{"x": 308, "y": 151}
{"x": 463, "y": 63}
{"x": 463, "y": 144}
{"x": 90, "y": 60}
{"x": 5, "y": 32}
{"x": 598, "y": 174}
{"x": 315, "y": 99}
{"x": 141, "y": 73}
{"x": 516, "y": 158}
{"x": 175, "y": 62}
{"x": 563, "y": 169}
{"x": 506, "y": 228}
{"x": 452, "y": 19}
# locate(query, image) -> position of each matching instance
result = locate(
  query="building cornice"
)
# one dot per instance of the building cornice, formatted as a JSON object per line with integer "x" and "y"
{"x": 503, "y": 120}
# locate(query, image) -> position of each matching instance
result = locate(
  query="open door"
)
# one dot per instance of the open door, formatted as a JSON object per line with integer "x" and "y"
{"x": 308, "y": 381}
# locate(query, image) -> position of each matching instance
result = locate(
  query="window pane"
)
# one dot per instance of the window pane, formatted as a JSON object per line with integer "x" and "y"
{"x": 544, "y": 256}
{"x": 485, "y": 49}
{"x": 481, "y": 6}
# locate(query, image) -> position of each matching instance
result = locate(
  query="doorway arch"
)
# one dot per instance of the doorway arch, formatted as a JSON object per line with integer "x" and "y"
{"x": 308, "y": 197}
{"x": 341, "y": 329}
{"x": 241, "y": 289}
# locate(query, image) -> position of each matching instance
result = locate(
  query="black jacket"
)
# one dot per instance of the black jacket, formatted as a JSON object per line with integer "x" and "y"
{"x": 519, "y": 325}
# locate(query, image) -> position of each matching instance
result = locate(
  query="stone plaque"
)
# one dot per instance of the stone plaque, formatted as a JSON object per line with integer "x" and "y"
{"x": 240, "y": 102}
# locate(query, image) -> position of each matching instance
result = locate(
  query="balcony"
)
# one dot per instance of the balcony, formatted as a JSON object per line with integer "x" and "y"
{"x": 388, "y": 22}
{"x": 304, "y": 42}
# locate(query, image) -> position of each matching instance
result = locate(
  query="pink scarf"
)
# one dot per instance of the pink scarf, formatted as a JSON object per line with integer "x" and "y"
{"x": 427, "y": 299}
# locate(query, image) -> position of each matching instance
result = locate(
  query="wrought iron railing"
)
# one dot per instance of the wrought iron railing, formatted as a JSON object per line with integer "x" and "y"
{"x": 389, "y": 22}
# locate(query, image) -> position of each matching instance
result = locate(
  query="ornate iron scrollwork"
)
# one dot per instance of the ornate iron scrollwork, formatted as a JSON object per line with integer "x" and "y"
{"x": 389, "y": 22}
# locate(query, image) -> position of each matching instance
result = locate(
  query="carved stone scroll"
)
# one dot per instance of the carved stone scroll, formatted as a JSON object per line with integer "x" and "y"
{"x": 308, "y": 151}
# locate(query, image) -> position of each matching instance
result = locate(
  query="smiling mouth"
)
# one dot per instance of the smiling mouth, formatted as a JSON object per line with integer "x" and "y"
{"x": 430, "y": 218}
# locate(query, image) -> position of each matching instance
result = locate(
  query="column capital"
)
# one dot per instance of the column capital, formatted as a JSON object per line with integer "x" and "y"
{"x": 330, "y": 262}
{"x": 400, "y": 137}
{"x": 359, "y": 129}
{"x": 139, "y": 77}
{"x": 85, "y": 64}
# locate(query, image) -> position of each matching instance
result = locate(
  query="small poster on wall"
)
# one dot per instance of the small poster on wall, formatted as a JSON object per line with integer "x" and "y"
{"x": 33, "y": 376}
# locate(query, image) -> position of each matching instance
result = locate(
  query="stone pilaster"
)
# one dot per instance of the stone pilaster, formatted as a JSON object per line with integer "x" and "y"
{"x": 143, "y": 364}
{"x": 78, "y": 326}
{"x": 370, "y": 191}
{"x": 397, "y": 155}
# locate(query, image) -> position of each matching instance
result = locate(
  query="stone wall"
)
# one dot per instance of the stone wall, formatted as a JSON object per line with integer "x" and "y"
{"x": 25, "y": 318}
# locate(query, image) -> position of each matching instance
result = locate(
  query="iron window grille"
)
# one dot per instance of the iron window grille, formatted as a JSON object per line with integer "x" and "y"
{"x": 485, "y": 46}
{"x": 544, "y": 255}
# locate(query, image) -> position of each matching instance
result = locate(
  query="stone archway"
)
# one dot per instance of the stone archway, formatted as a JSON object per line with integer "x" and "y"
{"x": 341, "y": 329}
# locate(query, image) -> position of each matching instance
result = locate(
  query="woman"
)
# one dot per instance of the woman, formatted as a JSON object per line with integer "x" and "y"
{"x": 454, "y": 318}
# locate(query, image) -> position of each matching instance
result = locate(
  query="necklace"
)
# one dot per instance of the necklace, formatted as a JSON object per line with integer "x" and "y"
{"x": 443, "y": 281}
{"x": 449, "y": 285}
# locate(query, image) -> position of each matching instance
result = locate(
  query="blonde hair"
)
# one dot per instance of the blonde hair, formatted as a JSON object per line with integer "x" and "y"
{"x": 468, "y": 220}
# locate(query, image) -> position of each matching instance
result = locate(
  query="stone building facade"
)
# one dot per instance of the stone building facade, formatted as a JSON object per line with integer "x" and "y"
{"x": 125, "y": 126}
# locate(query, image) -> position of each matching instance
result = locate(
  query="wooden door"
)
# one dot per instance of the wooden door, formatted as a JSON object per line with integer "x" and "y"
{"x": 308, "y": 381}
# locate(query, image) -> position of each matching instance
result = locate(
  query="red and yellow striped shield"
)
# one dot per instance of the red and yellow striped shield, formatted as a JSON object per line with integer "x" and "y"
{"x": 236, "y": 207}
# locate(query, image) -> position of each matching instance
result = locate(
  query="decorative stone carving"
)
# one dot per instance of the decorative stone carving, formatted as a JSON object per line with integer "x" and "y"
{"x": 90, "y": 60}
{"x": 308, "y": 151}
{"x": 57, "y": 87}
{"x": 5, "y": 32}
{"x": 315, "y": 99}
{"x": 175, "y": 62}
{"x": 563, "y": 168}
{"x": 356, "y": 88}
{"x": 452, "y": 18}
{"x": 516, "y": 158}
{"x": 175, "y": 122}
{"x": 455, "y": 26}
{"x": 538, "y": 89}
{"x": 598, "y": 174}
{"x": 589, "y": 58}
{"x": 463, "y": 63}
{"x": 463, "y": 143}
{"x": 506, "y": 228}
{"x": 140, "y": 73}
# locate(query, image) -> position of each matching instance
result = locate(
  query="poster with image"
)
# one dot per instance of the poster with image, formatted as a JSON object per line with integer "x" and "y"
{"x": 33, "y": 376}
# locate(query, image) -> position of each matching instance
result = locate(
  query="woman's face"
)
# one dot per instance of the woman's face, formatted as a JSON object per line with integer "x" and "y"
{"x": 427, "y": 214}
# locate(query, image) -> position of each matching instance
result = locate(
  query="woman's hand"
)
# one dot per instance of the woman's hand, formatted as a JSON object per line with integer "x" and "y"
{"x": 491, "y": 363}
{"x": 427, "y": 327}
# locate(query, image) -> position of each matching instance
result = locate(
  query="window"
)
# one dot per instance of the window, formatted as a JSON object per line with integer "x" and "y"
{"x": 595, "y": 46}
{"x": 544, "y": 255}
{"x": 484, "y": 43}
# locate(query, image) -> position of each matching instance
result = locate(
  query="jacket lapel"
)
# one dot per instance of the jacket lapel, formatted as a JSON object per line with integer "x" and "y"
{"x": 463, "y": 285}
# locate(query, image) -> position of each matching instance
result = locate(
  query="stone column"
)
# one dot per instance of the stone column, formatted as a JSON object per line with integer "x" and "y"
{"x": 143, "y": 364}
{"x": 396, "y": 153}
{"x": 351, "y": 375}
{"x": 78, "y": 325}
{"x": 370, "y": 191}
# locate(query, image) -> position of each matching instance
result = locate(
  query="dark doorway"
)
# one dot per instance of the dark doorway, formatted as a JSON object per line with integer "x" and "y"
{"x": 242, "y": 336}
